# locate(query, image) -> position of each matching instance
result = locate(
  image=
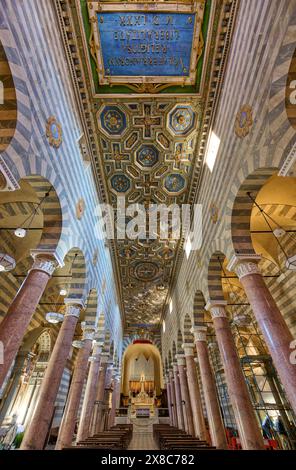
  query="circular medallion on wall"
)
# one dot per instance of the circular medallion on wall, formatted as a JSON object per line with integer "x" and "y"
{"x": 243, "y": 121}
{"x": 214, "y": 211}
{"x": 80, "y": 208}
{"x": 54, "y": 132}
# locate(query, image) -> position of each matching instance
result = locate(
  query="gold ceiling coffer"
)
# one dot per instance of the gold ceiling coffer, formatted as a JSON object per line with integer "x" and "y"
{"x": 146, "y": 44}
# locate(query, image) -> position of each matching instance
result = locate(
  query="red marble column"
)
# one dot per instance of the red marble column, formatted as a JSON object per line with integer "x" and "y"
{"x": 37, "y": 431}
{"x": 90, "y": 393}
{"x": 249, "y": 432}
{"x": 179, "y": 407}
{"x": 195, "y": 398}
{"x": 100, "y": 392}
{"x": 186, "y": 403}
{"x": 20, "y": 312}
{"x": 67, "y": 428}
{"x": 173, "y": 398}
{"x": 114, "y": 402}
{"x": 270, "y": 320}
{"x": 217, "y": 430}
{"x": 169, "y": 399}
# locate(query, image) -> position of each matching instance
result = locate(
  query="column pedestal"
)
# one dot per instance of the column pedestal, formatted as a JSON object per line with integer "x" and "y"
{"x": 180, "y": 417}
{"x": 270, "y": 320}
{"x": 67, "y": 428}
{"x": 90, "y": 394}
{"x": 249, "y": 433}
{"x": 187, "y": 410}
{"x": 37, "y": 430}
{"x": 195, "y": 398}
{"x": 217, "y": 430}
{"x": 20, "y": 312}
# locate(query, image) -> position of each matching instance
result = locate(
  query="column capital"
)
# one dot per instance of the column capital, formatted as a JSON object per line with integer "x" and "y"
{"x": 199, "y": 332}
{"x": 180, "y": 359}
{"x": 244, "y": 264}
{"x": 217, "y": 308}
{"x": 73, "y": 307}
{"x": 88, "y": 331}
{"x": 104, "y": 358}
{"x": 188, "y": 349}
{"x": 45, "y": 261}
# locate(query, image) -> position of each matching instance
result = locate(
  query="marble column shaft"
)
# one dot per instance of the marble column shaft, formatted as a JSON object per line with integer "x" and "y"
{"x": 20, "y": 312}
{"x": 100, "y": 393}
{"x": 186, "y": 402}
{"x": 271, "y": 322}
{"x": 67, "y": 428}
{"x": 194, "y": 395}
{"x": 112, "y": 415}
{"x": 180, "y": 417}
{"x": 90, "y": 395}
{"x": 169, "y": 400}
{"x": 248, "y": 428}
{"x": 173, "y": 398}
{"x": 37, "y": 430}
{"x": 15, "y": 384}
{"x": 216, "y": 425}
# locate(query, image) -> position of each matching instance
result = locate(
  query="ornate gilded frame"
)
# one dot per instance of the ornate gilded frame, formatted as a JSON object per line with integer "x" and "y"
{"x": 194, "y": 7}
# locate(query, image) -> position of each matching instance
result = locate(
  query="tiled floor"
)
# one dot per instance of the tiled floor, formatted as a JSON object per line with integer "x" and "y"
{"x": 143, "y": 441}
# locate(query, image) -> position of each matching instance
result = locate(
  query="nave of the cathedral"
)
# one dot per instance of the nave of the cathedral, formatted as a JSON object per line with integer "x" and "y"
{"x": 148, "y": 225}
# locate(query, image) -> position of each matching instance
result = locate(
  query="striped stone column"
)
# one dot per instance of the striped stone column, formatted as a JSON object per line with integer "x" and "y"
{"x": 217, "y": 430}
{"x": 270, "y": 320}
{"x": 249, "y": 432}
{"x": 37, "y": 430}
{"x": 66, "y": 431}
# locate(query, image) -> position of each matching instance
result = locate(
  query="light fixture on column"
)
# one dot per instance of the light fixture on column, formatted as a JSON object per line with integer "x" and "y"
{"x": 78, "y": 344}
{"x": 54, "y": 317}
{"x": 63, "y": 292}
{"x": 21, "y": 231}
{"x": 7, "y": 263}
{"x": 278, "y": 232}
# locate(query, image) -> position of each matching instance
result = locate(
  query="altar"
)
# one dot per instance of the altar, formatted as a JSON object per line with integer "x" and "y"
{"x": 142, "y": 405}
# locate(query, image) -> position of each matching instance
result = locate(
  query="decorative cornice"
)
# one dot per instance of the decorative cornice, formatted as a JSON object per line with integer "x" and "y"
{"x": 245, "y": 264}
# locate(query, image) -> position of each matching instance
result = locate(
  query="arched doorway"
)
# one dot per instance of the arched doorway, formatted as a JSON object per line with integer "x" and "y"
{"x": 142, "y": 379}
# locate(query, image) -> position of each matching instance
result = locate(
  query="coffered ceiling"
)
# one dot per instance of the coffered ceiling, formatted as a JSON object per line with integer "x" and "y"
{"x": 146, "y": 140}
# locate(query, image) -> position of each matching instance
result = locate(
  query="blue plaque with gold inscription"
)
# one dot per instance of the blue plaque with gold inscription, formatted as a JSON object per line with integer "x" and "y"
{"x": 139, "y": 46}
{"x": 146, "y": 44}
